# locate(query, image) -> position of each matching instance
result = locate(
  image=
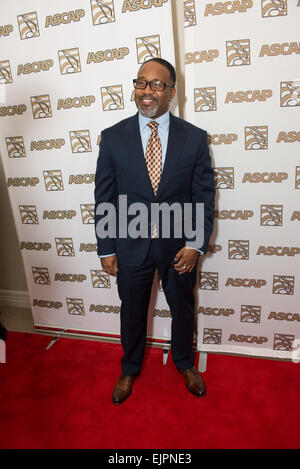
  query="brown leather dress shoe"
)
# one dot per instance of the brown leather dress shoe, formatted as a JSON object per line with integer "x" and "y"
{"x": 194, "y": 382}
{"x": 123, "y": 388}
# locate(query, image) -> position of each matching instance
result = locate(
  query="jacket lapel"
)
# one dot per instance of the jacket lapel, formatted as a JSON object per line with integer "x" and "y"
{"x": 175, "y": 146}
{"x": 134, "y": 147}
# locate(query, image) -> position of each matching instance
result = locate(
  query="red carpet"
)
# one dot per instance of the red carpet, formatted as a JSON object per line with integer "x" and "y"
{"x": 61, "y": 398}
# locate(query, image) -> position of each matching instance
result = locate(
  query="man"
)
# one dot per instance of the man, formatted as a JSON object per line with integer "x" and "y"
{"x": 154, "y": 158}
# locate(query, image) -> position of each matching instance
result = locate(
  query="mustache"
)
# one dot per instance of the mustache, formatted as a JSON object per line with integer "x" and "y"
{"x": 150, "y": 96}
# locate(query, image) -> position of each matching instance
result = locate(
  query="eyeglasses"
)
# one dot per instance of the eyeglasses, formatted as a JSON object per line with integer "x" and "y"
{"x": 155, "y": 85}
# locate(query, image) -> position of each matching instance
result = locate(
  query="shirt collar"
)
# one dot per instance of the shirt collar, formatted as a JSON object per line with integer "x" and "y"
{"x": 163, "y": 121}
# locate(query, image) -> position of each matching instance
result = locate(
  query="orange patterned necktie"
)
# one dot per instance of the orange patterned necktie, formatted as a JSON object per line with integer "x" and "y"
{"x": 153, "y": 156}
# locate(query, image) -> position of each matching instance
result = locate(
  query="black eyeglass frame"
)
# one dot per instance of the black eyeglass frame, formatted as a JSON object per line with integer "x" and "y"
{"x": 150, "y": 84}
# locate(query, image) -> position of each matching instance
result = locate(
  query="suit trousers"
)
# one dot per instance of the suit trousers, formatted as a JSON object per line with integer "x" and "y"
{"x": 134, "y": 287}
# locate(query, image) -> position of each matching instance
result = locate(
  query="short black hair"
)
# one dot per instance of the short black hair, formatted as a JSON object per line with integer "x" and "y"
{"x": 166, "y": 64}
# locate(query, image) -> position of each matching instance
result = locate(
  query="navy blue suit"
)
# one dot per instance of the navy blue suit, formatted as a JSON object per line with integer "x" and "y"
{"x": 187, "y": 177}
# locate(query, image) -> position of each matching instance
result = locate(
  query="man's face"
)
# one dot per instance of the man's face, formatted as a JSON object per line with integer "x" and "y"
{"x": 154, "y": 103}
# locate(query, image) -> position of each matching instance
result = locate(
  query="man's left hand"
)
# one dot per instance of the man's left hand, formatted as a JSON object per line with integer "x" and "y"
{"x": 186, "y": 259}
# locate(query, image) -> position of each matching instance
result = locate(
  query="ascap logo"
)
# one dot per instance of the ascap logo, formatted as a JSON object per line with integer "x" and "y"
{"x": 53, "y": 180}
{"x": 135, "y": 5}
{"x": 201, "y": 56}
{"x": 69, "y": 61}
{"x": 271, "y": 215}
{"x": 41, "y": 275}
{"x": 87, "y": 213}
{"x": 265, "y": 177}
{"x": 103, "y": 12}
{"x": 28, "y": 214}
{"x": 295, "y": 215}
{"x": 47, "y": 304}
{"x": 209, "y": 311}
{"x": 23, "y": 181}
{"x": 70, "y": 277}
{"x": 245, "y": 282}
{"x": 277, "y": 251}
{"x": 80, "y": 141}
{"x": 283, "y": 284}
{"x": 205, "y": 99}
{"x": 297, "y": 180}
{"x": 112, "y": 98}
{"x": 64, "y": 247}
{"x": 75, "y": 306}
{"x": 256, "y": 137}
{"x": 286, "y": 48}
{"x": 12, "y": 110}
{"x": 284, "y": 316}
{"x": 271, "y": 8}
{"x": 238, "y": 52}
{"x": 28, "y": 25}
{"x": 228, "y": 7}
{"x": 248, "y": 339}
{"x": 288, "y": 137}
{"x": 35, "y": 67}
{"x": 218, "y": 139}
{"x": 6, "y": 30}
{"x": 238, "y": 249}
{"x": 224, "y": 178}
{"x": 59, "y": 214}
{"x": 189, "y": 13}
{"x": 147, "y": 48}
{"x": 5, "y": 73}
{"x": 107, "y": 55}
{"x": 64, "y": 18}
{"x": 212, "y": 336}
{"x": 15, "y": 147}
{"x": 100, "y": 279}
{"x": 214, "y": 248}
{"x": 248, "y": 96}
{"x": 283, "y": 342}
{"x": 290, "y": 93}
{"x": 76, "y": 102}
{"x": 233, "y": 214}
{"x": 208, "y": 280}
{"x": 88, "y": 247}
{"x": 250, "y": 313}
{"x": 162, "y": 313}
{"x": 47, "y": 144}
{"x": 105, "y": 309}
{"x": 41, "y": 106}
{"x": 82, "y": 179}
{"x": 35, "y": 246}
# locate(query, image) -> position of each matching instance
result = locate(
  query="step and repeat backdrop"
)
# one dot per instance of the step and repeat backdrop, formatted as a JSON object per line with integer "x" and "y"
{"x": 243, "y": 86}
{"x": 66, "y": 71}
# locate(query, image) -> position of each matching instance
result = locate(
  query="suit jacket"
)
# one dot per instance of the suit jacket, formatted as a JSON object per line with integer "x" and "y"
{"x": 121, "y": 170}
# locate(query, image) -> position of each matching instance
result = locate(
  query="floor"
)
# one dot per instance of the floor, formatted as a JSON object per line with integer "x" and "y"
{"x": 60, "y": 398}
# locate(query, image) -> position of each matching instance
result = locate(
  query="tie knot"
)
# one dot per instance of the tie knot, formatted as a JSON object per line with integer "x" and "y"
{"x": 153, "y": 126}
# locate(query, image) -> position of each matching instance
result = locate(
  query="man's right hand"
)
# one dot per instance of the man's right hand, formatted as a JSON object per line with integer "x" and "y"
{"x": 110, "y": 265}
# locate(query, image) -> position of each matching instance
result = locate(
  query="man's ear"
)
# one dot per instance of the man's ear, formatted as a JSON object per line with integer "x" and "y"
{"x": 173, "y": 93}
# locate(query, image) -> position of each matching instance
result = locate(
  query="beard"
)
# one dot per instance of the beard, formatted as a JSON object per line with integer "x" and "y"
{"x": 151, "y": 112}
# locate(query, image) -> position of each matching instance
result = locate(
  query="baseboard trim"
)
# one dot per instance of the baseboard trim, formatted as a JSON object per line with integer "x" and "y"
{"x": 17, "y": 299}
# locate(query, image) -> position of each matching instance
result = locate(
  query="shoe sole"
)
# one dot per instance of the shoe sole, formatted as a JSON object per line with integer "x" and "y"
{"x": 195, "y": 394}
